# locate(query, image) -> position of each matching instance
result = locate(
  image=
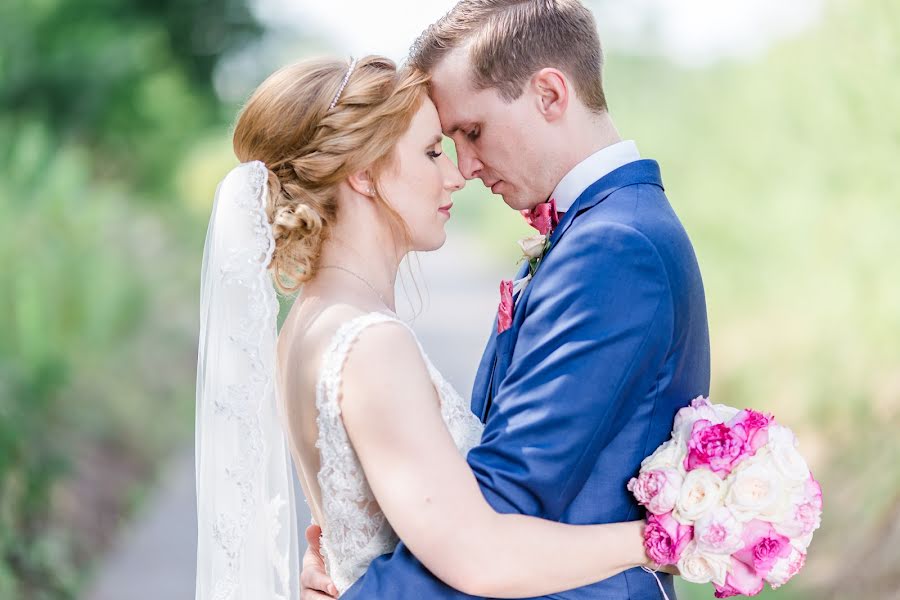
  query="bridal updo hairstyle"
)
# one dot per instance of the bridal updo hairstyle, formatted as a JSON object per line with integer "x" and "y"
{"x": 310, "y": 148}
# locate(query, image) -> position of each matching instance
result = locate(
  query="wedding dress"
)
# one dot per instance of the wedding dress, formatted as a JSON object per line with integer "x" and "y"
{"x": 247, "y": 542}
{"x": 355, "y": 531}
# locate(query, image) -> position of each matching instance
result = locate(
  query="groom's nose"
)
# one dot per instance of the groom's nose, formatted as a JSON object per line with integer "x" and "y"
{"x": 468, "y": 163}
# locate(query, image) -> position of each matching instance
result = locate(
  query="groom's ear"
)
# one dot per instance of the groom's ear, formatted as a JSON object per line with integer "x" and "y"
{"x": 551, "y": 89}
{"x": 362, "y": 183}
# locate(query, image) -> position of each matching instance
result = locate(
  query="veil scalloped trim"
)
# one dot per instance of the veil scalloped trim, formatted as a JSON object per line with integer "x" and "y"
{"x": 247, "y": 532}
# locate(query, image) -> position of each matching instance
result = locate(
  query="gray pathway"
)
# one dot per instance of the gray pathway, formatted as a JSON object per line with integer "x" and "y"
{"x": 154, "y": 558}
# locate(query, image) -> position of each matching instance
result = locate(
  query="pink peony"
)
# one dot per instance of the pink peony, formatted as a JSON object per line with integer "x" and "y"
{"x": 657, "y": 489}
{"x": 543, "y": 217}
{"x": 725, "y": 591}
{"x": 806, "y": 514}
{"x": 715, "y": 536}
{"x": 785, "y": 569}
{"x": 752, "y": 427}
{"x": 504, "y": 313}
{"x": 715, "y": 446}
{"x": 741, "y": 580}
{"x": 763, "y": 547}
{"x": 700, "y": 401}
{"x": 665, "y": 538}
{"x": 809, "y": 516}
{"x": 813, "y": 492}
{"x": 768, "y": 550}
{"x": 719, "y": 532}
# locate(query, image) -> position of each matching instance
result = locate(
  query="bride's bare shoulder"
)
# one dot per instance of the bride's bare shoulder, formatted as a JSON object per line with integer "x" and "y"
{"x": 383, "y": 371}
{"x": 386, "y": 351}
{"x": 311, "y": 326}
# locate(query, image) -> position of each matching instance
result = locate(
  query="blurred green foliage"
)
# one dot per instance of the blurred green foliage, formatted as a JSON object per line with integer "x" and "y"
{"x": 127, "y": 79}
{"x": 100, "y": 100}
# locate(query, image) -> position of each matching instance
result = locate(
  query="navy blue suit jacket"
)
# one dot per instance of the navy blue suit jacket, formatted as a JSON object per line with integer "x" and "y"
{"x": 608, "y": 341}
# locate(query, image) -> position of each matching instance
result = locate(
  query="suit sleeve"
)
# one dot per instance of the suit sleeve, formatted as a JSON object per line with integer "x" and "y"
{"x": 598, "y": 325}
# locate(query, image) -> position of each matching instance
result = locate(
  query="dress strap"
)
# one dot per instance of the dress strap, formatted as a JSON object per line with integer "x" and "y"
{"x": 336, "y": 355}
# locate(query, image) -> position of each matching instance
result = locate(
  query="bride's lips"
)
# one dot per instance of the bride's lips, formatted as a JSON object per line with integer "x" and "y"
{"x": 445, "y": 210}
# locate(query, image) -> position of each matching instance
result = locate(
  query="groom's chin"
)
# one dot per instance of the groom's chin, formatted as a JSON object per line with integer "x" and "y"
{"x": 516, "y": 203}
{"x": 512, "y": 198}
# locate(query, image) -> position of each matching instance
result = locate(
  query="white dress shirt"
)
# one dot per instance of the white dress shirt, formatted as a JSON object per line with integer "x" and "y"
{"x": 597, "y": 165}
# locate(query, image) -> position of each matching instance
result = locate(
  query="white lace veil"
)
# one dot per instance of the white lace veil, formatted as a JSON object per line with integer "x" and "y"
{"x": 247, "y": 531}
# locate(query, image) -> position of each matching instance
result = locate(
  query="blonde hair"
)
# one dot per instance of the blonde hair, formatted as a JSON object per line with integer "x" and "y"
{"x": 512, "y": 39}
{"x": 310, "y": 148}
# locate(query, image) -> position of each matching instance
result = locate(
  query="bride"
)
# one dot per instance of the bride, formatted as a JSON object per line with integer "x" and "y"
{"x": 341, "y": 176}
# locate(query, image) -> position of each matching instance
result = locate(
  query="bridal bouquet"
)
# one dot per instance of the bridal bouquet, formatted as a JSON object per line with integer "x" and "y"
{"x": 730, "y": 500}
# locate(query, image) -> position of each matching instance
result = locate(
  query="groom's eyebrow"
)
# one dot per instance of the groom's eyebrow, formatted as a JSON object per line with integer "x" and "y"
{"x": 456, "y": 127}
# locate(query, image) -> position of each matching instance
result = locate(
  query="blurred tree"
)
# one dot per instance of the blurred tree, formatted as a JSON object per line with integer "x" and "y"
{"x": 100, "y": 101}
{"x": 128, "y": 79}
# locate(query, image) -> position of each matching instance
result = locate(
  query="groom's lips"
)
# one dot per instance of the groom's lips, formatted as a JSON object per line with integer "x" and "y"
{"x": 494, "y": 185}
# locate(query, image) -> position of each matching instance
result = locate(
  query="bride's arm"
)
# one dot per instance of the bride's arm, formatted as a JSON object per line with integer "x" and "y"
{"x": 432, "y": 499}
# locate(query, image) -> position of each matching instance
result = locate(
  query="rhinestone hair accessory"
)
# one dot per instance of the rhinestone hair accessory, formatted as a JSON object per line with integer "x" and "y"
{"x": 343, "y": 83}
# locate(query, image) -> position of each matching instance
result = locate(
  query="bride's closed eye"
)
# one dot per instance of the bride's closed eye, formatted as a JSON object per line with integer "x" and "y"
{"x": 434, "y": 153}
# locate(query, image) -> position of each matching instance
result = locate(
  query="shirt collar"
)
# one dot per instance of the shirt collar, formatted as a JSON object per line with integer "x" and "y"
{"x": 592, "y": 168}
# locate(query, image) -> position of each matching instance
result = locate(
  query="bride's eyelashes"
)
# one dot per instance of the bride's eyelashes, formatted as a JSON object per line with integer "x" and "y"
{"x": 434, "y": 154}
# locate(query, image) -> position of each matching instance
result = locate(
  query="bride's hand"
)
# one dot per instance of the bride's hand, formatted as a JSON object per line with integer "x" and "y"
{"x": 671, "y": 570}
{"x": 649, "y": 564}
{"x": 314, "y": 581}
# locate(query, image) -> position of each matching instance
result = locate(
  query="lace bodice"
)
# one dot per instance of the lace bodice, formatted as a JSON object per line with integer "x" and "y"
{"x": 355, "y": 530}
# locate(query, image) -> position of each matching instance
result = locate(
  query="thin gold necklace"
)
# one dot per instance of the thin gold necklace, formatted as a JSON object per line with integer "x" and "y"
{"x": 361, "y": 278}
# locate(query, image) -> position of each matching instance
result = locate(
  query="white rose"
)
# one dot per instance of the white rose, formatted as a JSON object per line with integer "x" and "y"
{"x": 753, "y": 488}
{"x": 780, "y": 510}
{"x": 782, "y": 506}
{"x": 670, "y": 455}
{"x": 701, "y": 492}
{"x": 533, "y": 246}
{"x": 782, "y": 445}
{"x": 724, "y": 413}
{"x": 698, "y": 566}
{"x": 719, "y": 532}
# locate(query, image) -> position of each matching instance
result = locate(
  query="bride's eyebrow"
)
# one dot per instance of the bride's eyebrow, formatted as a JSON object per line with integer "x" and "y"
{"x": 437, "y": 139}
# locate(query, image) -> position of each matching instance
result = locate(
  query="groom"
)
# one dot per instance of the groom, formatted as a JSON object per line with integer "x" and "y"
{"x": 609, "y": 338}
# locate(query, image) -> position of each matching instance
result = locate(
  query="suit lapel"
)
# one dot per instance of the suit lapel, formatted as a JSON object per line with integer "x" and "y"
{"x": 639, "y": 171}
{"x": 481, "y": 387}
{"x": 498, "y": 354}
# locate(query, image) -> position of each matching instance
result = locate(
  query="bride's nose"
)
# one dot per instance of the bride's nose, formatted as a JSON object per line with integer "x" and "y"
{"x": 453, "y": 179}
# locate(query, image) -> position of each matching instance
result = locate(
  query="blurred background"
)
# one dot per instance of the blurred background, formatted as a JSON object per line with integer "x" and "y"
{"x": 776, "y": 125}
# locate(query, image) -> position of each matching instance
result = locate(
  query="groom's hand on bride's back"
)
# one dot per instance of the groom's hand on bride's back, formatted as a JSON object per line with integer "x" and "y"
{"x": 314, "y": 581}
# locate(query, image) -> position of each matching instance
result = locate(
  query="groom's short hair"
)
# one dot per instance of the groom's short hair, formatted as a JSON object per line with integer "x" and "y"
{"x": 509, "y": 40}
